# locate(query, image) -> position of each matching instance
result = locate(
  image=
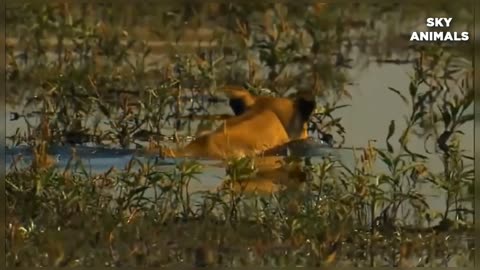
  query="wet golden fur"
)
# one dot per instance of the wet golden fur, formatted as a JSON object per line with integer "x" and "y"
{"x": 260, "y": 124}
{"x": 293, "y": 114}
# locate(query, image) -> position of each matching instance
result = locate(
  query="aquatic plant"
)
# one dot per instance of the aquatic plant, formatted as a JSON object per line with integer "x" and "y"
{"x": 92, "y": 73}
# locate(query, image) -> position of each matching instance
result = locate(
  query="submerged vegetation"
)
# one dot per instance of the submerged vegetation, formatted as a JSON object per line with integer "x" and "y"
{"x": 136, "y": 75}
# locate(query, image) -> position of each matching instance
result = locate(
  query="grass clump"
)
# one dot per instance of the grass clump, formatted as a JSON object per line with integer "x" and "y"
{"x": 118, "y": 78}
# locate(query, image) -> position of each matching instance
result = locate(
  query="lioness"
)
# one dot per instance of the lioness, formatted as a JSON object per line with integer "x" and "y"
{"x": 293, "y": 114}
{"x": 260, "y": 123}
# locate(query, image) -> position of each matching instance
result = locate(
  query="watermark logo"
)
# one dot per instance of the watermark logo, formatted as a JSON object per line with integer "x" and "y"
{"x": 439, "y": 36}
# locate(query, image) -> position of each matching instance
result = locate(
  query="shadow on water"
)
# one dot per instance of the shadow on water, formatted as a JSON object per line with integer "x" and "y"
{"x": 100, "y": 159}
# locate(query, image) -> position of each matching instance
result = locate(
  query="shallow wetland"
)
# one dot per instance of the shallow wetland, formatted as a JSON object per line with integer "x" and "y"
{"x": 92, "y": 87}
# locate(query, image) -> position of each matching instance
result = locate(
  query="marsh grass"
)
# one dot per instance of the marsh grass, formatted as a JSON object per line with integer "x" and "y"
{"x": 103, "y": 88}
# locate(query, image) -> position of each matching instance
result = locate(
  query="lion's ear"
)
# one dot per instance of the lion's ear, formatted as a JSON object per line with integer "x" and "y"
{"x": 239, "y": 98}
{"x": 238, "y": 106}
{"x": 305, "y": 105}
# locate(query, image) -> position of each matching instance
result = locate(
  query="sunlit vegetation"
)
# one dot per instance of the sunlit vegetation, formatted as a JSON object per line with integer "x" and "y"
{"x": 135, "y": 75}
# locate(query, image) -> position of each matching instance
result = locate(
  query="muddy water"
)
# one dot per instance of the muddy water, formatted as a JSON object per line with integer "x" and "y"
{"x": 372, "y": 108}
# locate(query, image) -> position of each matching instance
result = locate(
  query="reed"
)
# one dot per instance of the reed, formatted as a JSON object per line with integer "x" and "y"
{"x": 116, "y": 76}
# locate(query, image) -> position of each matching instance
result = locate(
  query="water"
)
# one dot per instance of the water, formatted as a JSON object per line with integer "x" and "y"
{"x": 372, "y": 108}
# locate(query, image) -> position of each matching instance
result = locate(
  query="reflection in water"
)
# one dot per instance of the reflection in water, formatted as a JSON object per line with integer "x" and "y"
{"x": 100, "y": 92}
{"x": 362, "y": 121}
